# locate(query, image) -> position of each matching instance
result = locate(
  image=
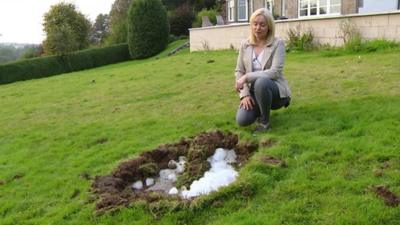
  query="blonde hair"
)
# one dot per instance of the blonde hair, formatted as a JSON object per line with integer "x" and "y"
{"x": 270, "y": 24}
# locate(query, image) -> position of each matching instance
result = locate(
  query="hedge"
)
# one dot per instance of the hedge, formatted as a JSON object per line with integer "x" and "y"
{"x": 53, "y": 65}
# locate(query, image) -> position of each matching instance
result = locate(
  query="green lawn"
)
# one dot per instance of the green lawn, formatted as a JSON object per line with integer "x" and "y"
{"x": 339, "y": 137}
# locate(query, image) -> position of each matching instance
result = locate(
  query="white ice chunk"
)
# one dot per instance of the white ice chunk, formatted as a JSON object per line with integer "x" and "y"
{"x": 137, "y": 185}
{"x": 180, "y": 167}
{"x": 173, "y": 191}
{"x": 172, "y": 177}
{"x": 220, "y": 174}
{"x": 149, "y": 182}
{"x": 165, "y": 173}
{"x": 230, "y": 156}
{"x": 219, "y": 154}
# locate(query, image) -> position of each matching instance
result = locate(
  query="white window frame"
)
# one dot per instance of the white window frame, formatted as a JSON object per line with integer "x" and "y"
{"x": 272, "y": 5}
{"x": 231, "y": 10}
{"x": 328, "y": 8}
{"x": 247, "y": 11}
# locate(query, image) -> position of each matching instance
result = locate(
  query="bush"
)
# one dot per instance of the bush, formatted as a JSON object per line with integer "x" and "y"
{"x": 53, "y": 65}
{"x": 180, "y": 20}
{"x": 211, "y": 13}
{"x": 148, "y": 28}
{"x": 298, "y": 40}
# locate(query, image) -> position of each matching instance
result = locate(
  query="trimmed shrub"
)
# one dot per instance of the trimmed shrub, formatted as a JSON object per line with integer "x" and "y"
{"x": 53, "y": 65}
{"x": 148, "y": 28}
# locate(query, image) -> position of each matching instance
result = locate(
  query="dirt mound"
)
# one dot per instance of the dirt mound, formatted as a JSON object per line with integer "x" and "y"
{"x": 389, "y": 197}
{"x": 115, "y": 189}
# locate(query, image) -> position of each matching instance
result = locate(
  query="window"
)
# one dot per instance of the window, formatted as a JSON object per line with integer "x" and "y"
{"x": 283, "y": 8}
{"x": 334, "y": 7}
{"x": 231, "y": 10}
{"x": 319, "y": 7}
{"x": 242, "y": 10}
{"x": 268, "y": 4}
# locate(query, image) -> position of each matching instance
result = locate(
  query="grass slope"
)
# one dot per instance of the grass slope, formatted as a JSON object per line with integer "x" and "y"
{"x": 340, "y": 131}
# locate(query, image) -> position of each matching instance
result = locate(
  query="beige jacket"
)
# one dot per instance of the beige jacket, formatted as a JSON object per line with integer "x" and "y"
{"x": 272, "y": 64}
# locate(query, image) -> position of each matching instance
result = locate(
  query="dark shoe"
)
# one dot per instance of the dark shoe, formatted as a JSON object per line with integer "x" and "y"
{"x": 287, "y": 102}
{"x": 261, "y": 128}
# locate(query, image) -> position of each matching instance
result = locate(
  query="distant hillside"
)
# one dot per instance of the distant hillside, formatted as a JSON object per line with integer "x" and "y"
{"x": 13, "y": 51}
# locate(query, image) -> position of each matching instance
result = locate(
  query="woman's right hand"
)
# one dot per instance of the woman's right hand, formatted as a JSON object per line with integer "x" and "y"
{"x": 247, "y": 103}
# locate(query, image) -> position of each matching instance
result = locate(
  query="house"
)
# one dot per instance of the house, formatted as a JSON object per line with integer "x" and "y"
{"x": 374, "y": 19}
{"x": 238, "y": 11}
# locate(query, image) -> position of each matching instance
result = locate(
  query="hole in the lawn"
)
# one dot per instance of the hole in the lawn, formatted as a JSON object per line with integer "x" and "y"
{"x": 177, "y": 172}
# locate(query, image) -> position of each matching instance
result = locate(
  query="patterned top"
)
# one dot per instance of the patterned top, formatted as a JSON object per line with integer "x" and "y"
{"x": 256, "y": 61}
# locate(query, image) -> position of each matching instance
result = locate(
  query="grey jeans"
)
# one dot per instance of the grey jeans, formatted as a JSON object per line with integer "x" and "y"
{"x": 265, "y": 94}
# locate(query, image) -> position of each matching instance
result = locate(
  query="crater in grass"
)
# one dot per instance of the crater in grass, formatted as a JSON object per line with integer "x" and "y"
{"x": 116, "y": 189}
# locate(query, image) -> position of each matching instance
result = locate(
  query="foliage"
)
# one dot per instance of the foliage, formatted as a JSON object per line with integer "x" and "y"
{"x": 380, "y": 44}
{"x": 33, "y": 52}
{"x": 178, "y": 15}
{"x": 53, "y": 65}
{"x": 203, "y": 4}
{"x": 335, "y": 146}
{"x": 174, "y": 4}
{"x": 210, "y": 13}
{"x": 118, "y": 22}
{"x": 364, "y": 47}
{"x": 348, "y": 31}
{"x": 299, "y": 40}
{"x": 148, "y": 28}
{"x": 66, "y": 29}
{"x": 180, "y": 20}
{"x": 350, "y": 35}
{"x": 197, "y": 4}
{"x": 100, "y": 29}
{"x": 13, "y": 51}
{"x": 60, "y": 41}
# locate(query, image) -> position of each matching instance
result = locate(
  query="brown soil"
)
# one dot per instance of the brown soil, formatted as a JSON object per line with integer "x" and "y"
{"x": 115, "y": 189}
{"x": 270, "y": 160}
{"x": 389, "y": 197}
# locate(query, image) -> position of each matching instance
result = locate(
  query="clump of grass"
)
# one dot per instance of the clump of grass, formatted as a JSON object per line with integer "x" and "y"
{"x": 354, "y": 43}
{"x": 299, "y": 39}
{"x": 357, "y": 46}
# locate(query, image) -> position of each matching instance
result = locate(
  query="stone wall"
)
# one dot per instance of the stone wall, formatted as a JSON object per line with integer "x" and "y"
{"x": 292, "y": 9}
{"x": 256, "y": 5}
{"x": 325, "y": 29}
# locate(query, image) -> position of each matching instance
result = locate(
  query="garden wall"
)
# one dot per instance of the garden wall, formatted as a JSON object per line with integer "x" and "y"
{"x": 325, "y": 29}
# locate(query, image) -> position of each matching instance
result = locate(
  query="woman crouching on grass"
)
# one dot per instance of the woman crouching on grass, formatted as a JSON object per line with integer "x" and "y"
{"x": 259, "y": 78}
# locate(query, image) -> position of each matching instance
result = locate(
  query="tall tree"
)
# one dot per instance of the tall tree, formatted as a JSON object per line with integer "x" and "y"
{"x": 100, "y": 29}
{"x": 180, "y": 19}
{"x": 148, "y": 28}
{"x": 66, "y": 29}
{"x": 118, "y": 22}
